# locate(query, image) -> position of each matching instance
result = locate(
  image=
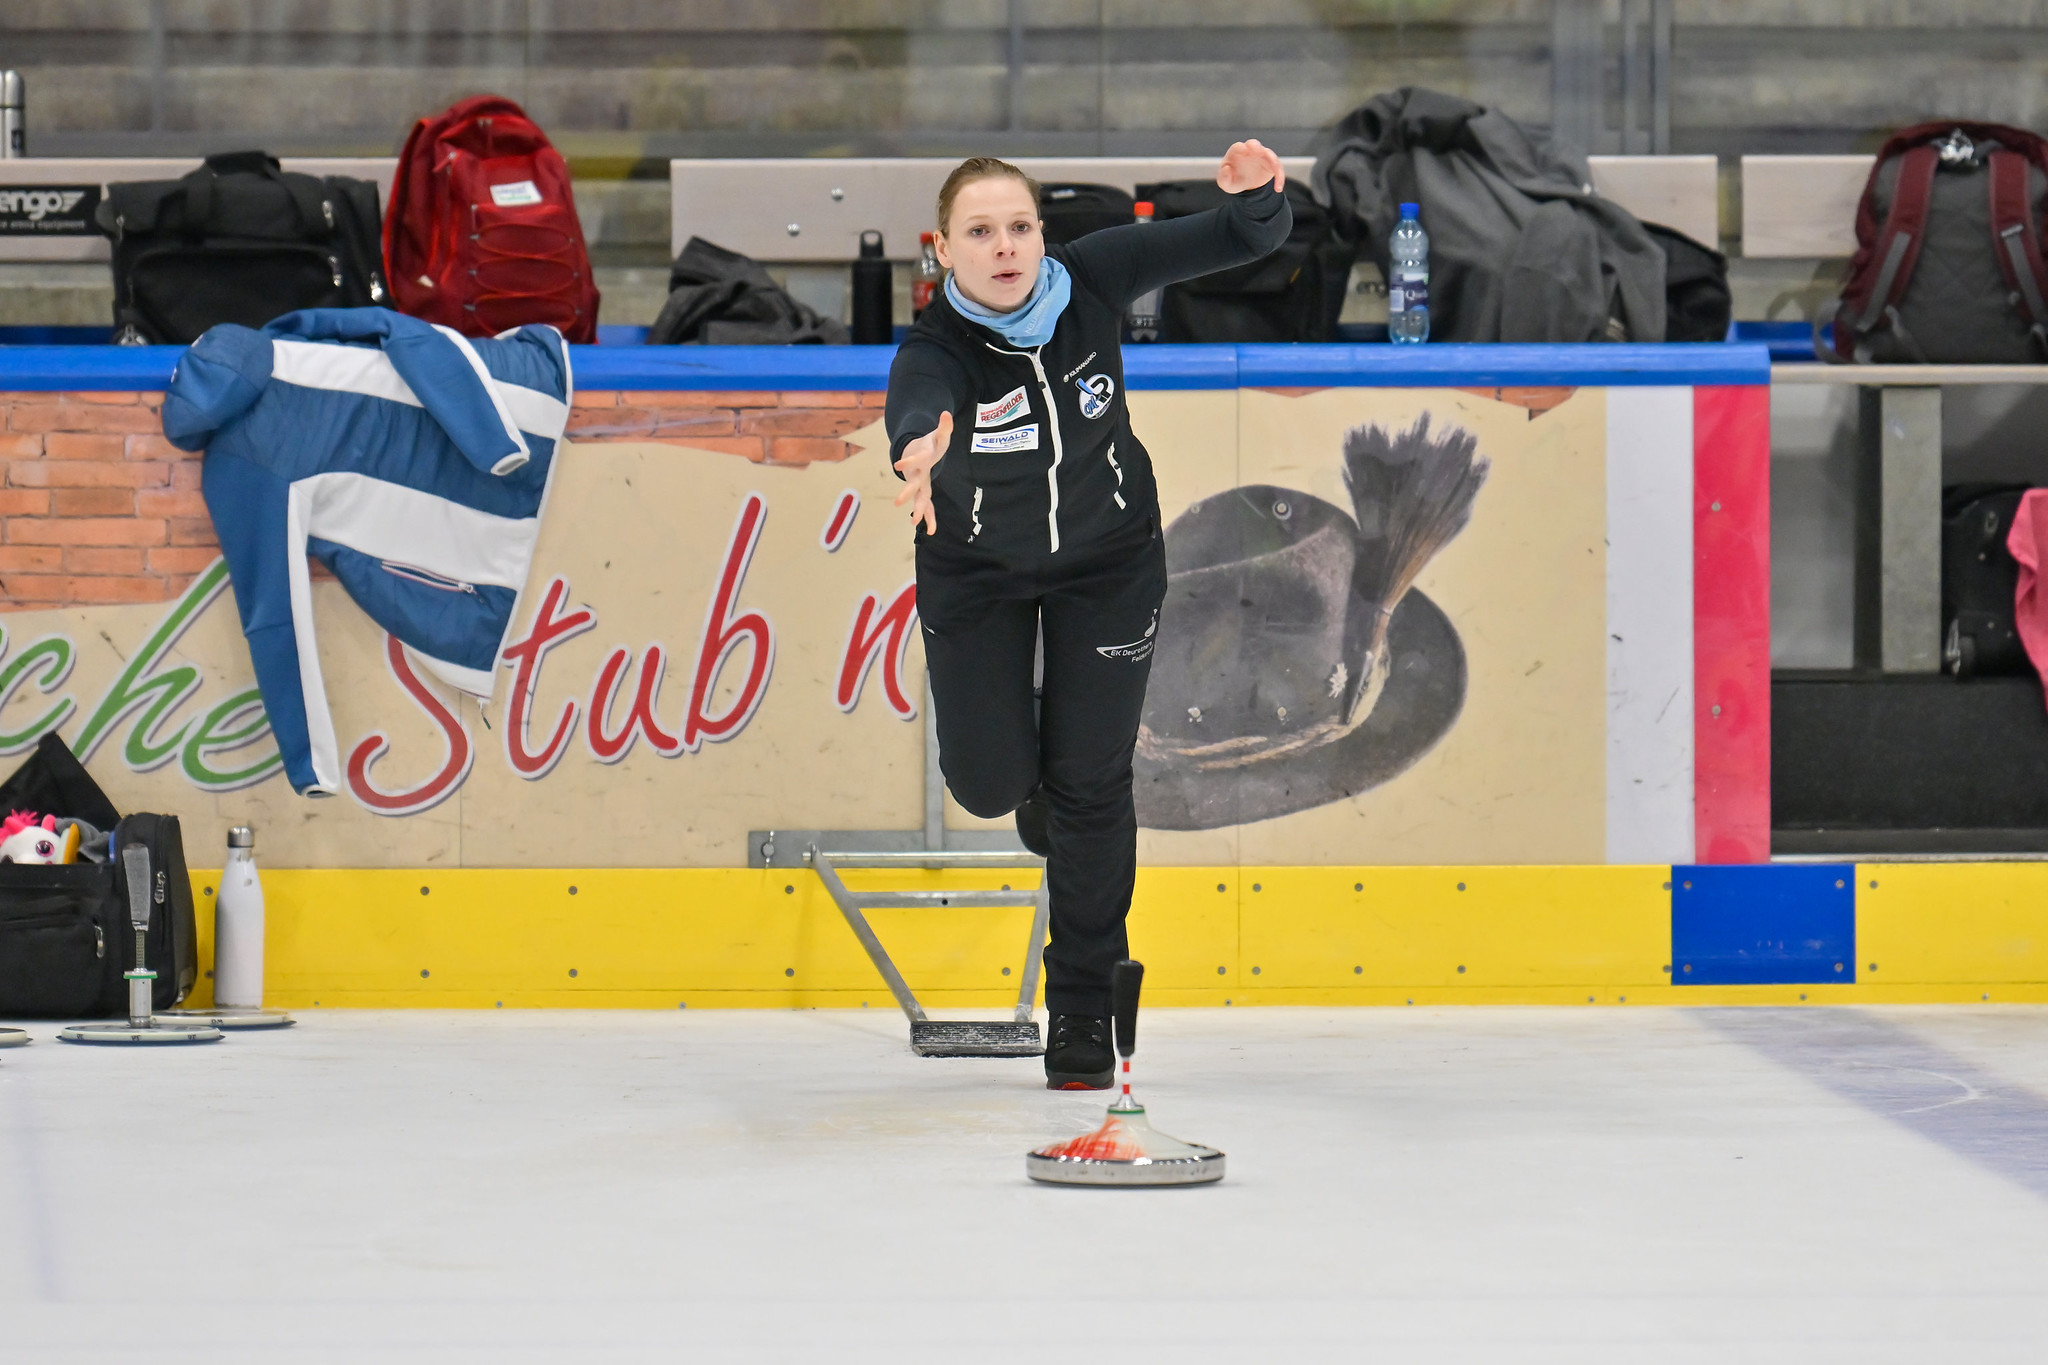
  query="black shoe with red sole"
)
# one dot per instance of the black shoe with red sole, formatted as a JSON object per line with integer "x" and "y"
{"x": 1077, "y": 1055}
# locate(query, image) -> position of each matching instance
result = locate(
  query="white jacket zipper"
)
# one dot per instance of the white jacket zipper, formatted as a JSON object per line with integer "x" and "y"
{"x": 1118, "y": 470}
{"x": 1052, "y": 472}
{"x": 426, "y": 577}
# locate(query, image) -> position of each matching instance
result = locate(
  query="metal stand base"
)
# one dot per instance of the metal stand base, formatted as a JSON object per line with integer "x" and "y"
{"x": 13, "y": 1037}
{"x": 1016, "y": 1037}
{"x": 971, "y": 1038}
{"x": 121, "y": 1031}
{"x": 232, "y": 1017}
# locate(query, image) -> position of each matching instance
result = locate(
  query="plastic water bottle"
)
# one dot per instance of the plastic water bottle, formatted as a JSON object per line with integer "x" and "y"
{"x": 238, "y": 927}
{"x": 926, "y": 284}
{"x": 1408, "y": 290}
{"x": 1144, "y": 315}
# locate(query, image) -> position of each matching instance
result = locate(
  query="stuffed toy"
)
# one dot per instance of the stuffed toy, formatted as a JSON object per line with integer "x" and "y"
{"x": 24, "y": 839}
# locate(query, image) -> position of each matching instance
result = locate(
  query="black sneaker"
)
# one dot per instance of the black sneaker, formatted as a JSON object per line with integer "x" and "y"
{"x": 1031, "y": 818}
{"x": 1077, "y": 1055}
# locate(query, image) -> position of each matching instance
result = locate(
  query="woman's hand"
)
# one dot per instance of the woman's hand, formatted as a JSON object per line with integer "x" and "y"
{"x": 916, "y": 468}
{"x": 1248, "y": 165}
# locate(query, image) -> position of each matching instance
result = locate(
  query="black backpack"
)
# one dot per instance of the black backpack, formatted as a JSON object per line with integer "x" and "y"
{"x": 1948, "y": 266}
{"x": 721, "y": 298}
{"x": 1069, "y": 211}
{"x": 65, "y": 935}
{"x": 1980, "y": 581}
{"x": 1295, "y": 294}
{"x": 238, "y": 240}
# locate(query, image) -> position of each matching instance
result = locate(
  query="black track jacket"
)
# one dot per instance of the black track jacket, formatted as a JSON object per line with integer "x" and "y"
{"x": 1043, "y": 463}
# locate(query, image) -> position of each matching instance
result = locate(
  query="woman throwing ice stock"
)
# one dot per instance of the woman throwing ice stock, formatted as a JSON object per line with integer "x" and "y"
{"x": 1037, "y": 512}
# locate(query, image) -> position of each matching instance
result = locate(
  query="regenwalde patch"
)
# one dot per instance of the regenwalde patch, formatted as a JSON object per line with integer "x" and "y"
{"x": 1016, "y": 403}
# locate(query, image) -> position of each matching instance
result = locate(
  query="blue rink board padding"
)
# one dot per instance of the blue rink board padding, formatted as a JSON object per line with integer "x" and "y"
{"x": 1769, "y": 924}
{"x": 1449, "y": 365}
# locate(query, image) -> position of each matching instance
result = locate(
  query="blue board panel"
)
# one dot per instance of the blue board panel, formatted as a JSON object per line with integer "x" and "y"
{"x": 1467, "y": 365}
{"x": 626, "y": 366}
{"x": 760, "y": 368}
{"x": 1768, "y": 924}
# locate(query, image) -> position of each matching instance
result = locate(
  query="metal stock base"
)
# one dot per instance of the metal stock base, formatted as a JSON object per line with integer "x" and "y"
{"x": 13, "y": 1037}
{"x": 122, "y": 1031}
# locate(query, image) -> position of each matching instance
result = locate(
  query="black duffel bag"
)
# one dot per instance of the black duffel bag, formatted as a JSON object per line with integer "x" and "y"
{"x": 1072, "y": 210}
{"x": 1294, "y": 294}
{"x": 65, "y": 935}
{"x": 238, "y": 240}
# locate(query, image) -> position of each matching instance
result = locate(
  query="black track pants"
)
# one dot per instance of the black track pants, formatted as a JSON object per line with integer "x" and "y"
{"x": 1099, "y": 611}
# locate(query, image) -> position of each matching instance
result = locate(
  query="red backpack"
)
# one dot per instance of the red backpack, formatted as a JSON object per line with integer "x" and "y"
{"x": 482, "y": 234}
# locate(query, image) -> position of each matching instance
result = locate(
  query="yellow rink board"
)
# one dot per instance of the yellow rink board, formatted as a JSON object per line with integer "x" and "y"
{"x": 739, "y": 938}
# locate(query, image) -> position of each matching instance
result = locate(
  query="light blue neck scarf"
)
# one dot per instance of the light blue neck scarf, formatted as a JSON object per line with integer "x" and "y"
{"x": 1031, "y": 323}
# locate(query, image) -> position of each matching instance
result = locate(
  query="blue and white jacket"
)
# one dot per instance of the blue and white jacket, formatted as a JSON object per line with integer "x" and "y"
{"x": 413, "y": 462}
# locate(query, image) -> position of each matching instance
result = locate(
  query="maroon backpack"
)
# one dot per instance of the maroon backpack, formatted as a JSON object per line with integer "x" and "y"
{"x": 1948, "y": 266}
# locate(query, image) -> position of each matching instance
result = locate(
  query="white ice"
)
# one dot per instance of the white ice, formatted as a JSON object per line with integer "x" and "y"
{"x": 1517, "y": 1185}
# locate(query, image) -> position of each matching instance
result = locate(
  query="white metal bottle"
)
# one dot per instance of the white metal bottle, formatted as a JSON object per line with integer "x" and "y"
{"x": 238, "y": 927}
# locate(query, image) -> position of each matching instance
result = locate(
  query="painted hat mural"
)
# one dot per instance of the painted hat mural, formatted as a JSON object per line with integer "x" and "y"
{"x": 1296, "y": 665}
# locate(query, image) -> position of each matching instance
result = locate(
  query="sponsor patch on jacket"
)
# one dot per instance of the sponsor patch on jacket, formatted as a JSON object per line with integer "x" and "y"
{"x": 1096, "y": 391}
{"x": 515, "y": 194}
{"x": 1011, "y": 405}
{"x": 1016, "y": 438}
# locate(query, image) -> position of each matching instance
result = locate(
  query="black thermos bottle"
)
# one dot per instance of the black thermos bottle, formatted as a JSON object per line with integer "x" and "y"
{"x": 874, "y": 294}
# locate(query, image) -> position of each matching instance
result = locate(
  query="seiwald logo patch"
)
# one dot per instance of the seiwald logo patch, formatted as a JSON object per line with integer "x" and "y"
{"x": 1015, "y": 403}
{"x": 1016, "y": 438}
{"x": 1096, "y": 391}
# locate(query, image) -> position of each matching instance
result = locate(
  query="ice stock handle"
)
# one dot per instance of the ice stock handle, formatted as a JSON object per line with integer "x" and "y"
{"x": 1125, "y": 980}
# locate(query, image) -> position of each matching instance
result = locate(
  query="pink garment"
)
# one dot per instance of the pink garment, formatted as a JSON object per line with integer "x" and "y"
{"x": 2028, "y": 541}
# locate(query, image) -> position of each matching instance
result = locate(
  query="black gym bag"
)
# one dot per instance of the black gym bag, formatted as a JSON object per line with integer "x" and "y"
{"x": 238, "y": 240}
{"x": 65, "y": 935}
{"x": 1069, "y": 211}
{"x": 1294, "y": 294}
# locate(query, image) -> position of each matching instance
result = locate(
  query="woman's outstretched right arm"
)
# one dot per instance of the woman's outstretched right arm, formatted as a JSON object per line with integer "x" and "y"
{"x": 926, "y": 387}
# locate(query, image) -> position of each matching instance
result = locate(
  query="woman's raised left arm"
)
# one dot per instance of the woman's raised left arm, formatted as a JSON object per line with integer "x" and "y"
{"x": 1120, "y": 263}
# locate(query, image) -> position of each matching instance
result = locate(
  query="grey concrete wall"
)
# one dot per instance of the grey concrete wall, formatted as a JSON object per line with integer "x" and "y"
{"x": 631, "y": 79}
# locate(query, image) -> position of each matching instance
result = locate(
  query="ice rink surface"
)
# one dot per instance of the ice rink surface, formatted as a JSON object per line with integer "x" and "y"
{"x": 1473, "y": 1184}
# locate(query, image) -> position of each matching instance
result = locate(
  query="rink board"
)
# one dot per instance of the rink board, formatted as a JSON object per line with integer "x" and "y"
{"x": 737, "y": 938}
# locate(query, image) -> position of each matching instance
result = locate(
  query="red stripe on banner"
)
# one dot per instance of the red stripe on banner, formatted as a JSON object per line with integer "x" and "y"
{"x": 1731, "y": 598}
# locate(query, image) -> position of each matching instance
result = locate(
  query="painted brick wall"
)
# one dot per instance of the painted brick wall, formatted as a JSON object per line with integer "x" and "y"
{"x": 96, "y": 506}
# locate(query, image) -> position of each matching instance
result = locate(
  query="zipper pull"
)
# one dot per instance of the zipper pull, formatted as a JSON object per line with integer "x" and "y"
{"x": 327, "y": 207}
{"x": 99, "y": 942}
{"x": 334, "y": 264}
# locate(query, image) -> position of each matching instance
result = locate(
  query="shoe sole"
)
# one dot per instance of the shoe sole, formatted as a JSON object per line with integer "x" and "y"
{"x": 1080, "y": 1080}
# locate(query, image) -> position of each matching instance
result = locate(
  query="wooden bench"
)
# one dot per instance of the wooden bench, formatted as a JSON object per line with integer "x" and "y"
{"x": 1801, "y": 207}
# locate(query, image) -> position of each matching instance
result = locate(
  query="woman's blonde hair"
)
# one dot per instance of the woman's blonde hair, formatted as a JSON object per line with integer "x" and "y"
{"x": 979, "y": 168}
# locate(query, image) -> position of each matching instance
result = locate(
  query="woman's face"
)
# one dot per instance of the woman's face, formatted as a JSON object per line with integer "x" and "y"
{"x": 993, "y": 246}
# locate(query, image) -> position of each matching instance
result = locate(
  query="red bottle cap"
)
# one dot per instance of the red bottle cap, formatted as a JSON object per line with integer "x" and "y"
{"x": 924, "y": 236}
{"x": 1143, "y": 208}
